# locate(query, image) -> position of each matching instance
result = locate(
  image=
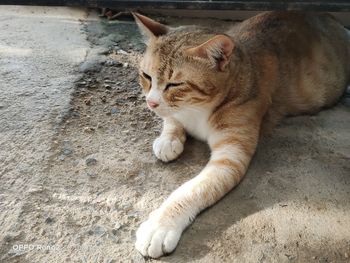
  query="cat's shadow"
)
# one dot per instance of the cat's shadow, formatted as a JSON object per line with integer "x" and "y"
{"x": 292, "y": 168}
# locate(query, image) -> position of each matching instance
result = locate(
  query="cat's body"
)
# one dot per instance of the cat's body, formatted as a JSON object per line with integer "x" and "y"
{"x": 223, "y": 89}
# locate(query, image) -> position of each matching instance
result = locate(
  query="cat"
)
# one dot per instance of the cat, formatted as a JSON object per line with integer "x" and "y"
{"x": 224, "y": 88}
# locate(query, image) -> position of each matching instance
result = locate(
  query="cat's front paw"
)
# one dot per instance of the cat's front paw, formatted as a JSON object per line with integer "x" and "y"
{"x": 167, "y": 148}
{"x": 155, "y": 238}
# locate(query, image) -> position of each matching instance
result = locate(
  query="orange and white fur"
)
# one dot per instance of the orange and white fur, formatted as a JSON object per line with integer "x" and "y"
{"x": 224, "y": 88}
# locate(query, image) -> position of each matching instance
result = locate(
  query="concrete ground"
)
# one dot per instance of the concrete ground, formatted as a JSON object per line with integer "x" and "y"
{"x": 77, "y": 175}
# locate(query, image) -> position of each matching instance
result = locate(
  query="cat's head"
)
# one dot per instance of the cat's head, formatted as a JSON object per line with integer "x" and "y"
{"x": 182, "y": 67}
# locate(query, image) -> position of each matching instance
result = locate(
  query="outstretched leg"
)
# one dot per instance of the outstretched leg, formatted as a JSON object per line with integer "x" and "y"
{"x": 232, "y": 149}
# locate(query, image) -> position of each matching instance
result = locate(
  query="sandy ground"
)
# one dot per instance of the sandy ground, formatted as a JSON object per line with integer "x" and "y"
{"x": 77, "y": 174}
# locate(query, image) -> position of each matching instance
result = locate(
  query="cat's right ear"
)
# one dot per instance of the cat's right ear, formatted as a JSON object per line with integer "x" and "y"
{"x": 217, "y": 49}
{"x": 149, "y": 28}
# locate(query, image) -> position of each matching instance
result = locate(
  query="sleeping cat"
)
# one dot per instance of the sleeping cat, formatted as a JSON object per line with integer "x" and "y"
{"x": 224, "y": 88}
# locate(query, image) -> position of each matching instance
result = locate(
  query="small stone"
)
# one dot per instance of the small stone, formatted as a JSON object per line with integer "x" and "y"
{"x": 133, "y": 215}
{"x": 99, "y": 230}
{"x": 91, "y": 175}
{"x": 125, "y": 65}
{"x": 117, "y": 226}
{"x": 87, "y": 101}
{"x": 132, "y": 97}
{"x": 114, "y": 110}
{"x": 90, "y": 161}
{"x": 112, "y": 63}
{"x": 49, "y": 220}
{"x": 89, "y": 129}
{"x": 103, "y": 99}
{"x": 290, "y": 257}
{"x": 61, "y": 158}
{"x": 11, "y": 236}
{"x": 81, "y": 83}
{"x": 346, "y": 255}
{"x": 67, "y": 151}
{"x": 122, "y": 52}
{"x": 107, "y": 86}
{"x": 138, "y": 258}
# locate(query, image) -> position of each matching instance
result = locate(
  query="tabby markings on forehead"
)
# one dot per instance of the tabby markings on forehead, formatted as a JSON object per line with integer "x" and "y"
{"x": 167, "y": 60}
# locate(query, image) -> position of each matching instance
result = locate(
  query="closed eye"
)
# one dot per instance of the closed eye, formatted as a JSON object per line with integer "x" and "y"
{"x": 146, "y": 76}
{"x": 171, "y": 85}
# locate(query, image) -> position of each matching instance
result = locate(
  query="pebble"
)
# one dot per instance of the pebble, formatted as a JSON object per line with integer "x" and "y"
{"x": 112, "y": 63}
{"x": 107, "y": 86}
{"x": 125, "y": 65}
{"x": 99, "y": 230}
{"x": 61, "y": 157}
{"x": 103, "y": 99}
{"x": 15, "y": 253}
{"x": 117, "y": 226}
{"x": 91, "y": 161}
{"x": 11, "y": 236}
{"x": 87, "y": 101}
{"x": 81, "y": 83}
{"x": 114, "y": 110}
{"x": 122, "y": 52}
{"x": 346, "y": 255}
{"x": 138, "y": 258}
{"x": 290, "y": 257}
{"x": 67, "y": 151}
{"x": 133, "y": 215}
{"x": 89, "y": 129}
{"x": 119, "y": 101}
{"x": 132, "y": 97}
{"x": 91, "y": 175}
{"x": 49, "y": 220}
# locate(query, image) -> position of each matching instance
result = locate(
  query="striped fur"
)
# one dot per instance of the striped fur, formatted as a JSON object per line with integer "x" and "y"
{"x": 223, "y": 88}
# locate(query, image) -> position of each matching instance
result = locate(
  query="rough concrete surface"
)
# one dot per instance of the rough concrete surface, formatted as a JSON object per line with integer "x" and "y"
{"x": 77, "y": 175}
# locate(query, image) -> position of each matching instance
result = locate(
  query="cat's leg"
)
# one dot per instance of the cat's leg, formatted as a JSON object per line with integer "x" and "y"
{"x": 232, "y": 150}
{"x": 170, "y": 144}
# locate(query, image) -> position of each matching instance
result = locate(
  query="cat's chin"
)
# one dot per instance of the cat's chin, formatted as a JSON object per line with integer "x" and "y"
{"x": 161, "y": 113}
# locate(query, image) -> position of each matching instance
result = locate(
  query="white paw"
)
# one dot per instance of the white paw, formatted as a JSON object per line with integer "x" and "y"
{"x": 167, "y": 149}
{"x": 154, "y": 238}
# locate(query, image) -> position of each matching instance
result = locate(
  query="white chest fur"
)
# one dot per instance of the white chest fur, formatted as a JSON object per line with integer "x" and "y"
{"x": 195, "y": 122}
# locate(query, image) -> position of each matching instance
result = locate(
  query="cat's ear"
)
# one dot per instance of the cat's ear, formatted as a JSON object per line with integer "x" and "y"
{"x": 149, "y": 28}
{"x": 218, "y": 49}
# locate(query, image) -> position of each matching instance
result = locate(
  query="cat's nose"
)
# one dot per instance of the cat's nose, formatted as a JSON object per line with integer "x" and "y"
{"x": 152, "y": 104}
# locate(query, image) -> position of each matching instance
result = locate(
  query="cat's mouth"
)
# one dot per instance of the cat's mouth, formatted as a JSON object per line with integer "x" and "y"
{"x": 160, "y": 111}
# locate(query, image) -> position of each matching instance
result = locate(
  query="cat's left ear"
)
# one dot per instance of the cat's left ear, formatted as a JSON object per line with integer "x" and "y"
{"x": 217, "y": 49}
{"x": 149, "y": 28}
